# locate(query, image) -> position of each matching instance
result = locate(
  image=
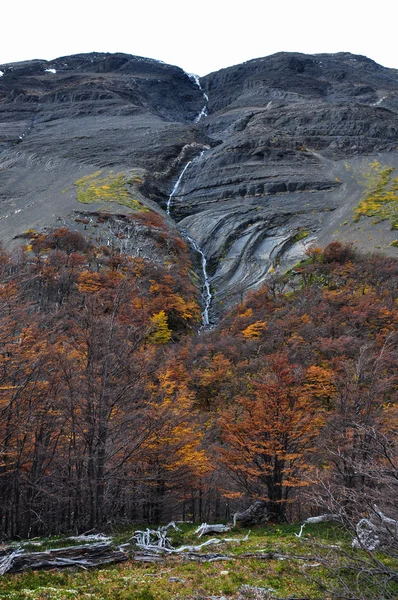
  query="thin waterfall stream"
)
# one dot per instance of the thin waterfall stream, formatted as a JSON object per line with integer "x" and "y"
{"x": 206, "y": 291}
{"x": 203, "y": 112}
{"x": 175, "y": 188}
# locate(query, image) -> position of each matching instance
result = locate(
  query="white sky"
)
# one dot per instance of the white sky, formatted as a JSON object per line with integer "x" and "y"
{"x": 200, "y": 37}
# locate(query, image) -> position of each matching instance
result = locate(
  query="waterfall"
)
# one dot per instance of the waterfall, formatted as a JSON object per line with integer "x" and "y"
{"x": 175, "y": 188}
{"x": 206, "y": 292}
{"x": 203, "y": 112}
{"x": 206, "y": 284}
{"x": 178, "y": 182}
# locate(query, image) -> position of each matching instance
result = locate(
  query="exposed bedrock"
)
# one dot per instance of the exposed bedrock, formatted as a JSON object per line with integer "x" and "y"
{"x": 64, "y": 119}
{"x": 267, "y": 172}
{"x": 287, "y": 126}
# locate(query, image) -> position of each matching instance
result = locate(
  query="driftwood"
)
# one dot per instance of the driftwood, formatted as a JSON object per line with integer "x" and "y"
{"x": 379, "y": 531}
{"x": 147, "y": 557}
{"x": 154, "y": 543}
{"x": 320, "y": 519}
{"x": 256, "y": 513}
{"x": 92, "y": 555}
{"x": 151, "y": 538}
{"x": 212, "y": 557}
{"x": 205, "y": 529}
{"x": 87, "y": 537}
{"x": 170, "y": 550}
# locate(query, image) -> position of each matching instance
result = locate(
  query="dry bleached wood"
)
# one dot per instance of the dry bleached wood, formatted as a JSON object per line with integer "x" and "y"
{"x": 380, "y": 534}
{"x": 92, "y": 555}
{"x": 7, "y": 560}
{"x": 155, "y": 541}
{"x": 86, "y": 537}
{"x": 320, "y": 519}
{"x": 370, "y": 535}
{"x": 205, "y": 529}
{"x": 154, "y": 537}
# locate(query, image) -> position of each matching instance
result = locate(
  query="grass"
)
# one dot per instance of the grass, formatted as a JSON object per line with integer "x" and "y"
{"x": 380, "y": 198}
{"x": 176, "y": 578}
{"x": 113, "y": 187}
{"x": 300, "y": 235}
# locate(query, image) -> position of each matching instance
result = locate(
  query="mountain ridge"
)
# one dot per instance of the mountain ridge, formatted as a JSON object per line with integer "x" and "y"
{"x": 273, "y": 144}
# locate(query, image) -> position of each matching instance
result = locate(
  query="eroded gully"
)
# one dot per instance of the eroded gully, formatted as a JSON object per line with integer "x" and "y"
{"x": 206, "y": 290}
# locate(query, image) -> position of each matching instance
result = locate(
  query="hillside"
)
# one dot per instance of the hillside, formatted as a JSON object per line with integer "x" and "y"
{"x": 278, "y": 145}
{"x": 198, "y": 311}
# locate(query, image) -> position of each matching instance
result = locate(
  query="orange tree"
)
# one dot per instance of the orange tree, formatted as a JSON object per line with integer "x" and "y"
{"x": 269, "y": 433}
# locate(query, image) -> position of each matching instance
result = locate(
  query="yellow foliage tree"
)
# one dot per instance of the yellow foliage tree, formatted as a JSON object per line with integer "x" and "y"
{"x": 160, "y": 331}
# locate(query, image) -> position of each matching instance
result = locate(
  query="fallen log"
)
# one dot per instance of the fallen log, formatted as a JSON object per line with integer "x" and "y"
{"x": 269, "y": 555}
{"x": 87, "y": 556}
{"x": 205, "y": 529}
{"x": 319, "y": 519}
{"x": 255, "y": 514}
{"x": 87, "y": 537}
{"x": 147, "y": 557}
{"x": 168, "y": 549}
{"x": 7, "y": 560}
{"x": 154, "y": 537}
{"x": 212, "y": 557}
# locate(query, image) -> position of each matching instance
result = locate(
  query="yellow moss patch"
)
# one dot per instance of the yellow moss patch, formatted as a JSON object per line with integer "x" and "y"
{"x": 380, "y": 198}
{"x": 112, "y": 187}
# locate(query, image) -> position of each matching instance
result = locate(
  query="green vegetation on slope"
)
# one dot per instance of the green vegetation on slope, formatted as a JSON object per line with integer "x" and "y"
{"x": 380, "y": 198}
{"x": 108, "y": 188}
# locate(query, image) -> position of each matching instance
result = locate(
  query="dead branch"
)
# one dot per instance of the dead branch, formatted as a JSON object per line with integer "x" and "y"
{"x": 205, "y": 529}
{"x": 92, "y": 555}
{"x": 320, "y": 519}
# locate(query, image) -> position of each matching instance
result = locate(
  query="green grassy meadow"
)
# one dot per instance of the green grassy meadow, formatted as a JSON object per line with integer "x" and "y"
{"x": 178, "y": 578}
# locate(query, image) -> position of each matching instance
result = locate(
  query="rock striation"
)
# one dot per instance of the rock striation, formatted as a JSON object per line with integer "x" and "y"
{"x": 271, "y": 146}
{"x": 288, "y": 126}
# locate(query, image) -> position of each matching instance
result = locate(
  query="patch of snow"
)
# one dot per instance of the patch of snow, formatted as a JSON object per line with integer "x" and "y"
{"x": 50, "y": 70}
{"x": 17, "y": 211}
{"x": 1, "y": 73}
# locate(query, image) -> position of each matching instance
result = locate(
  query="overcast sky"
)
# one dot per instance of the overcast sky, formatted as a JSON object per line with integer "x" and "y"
{"x": 201, "y": 36}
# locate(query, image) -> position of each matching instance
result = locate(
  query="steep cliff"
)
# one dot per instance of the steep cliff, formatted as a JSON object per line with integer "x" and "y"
{"x": 272, "y": 147}
{"x": 293, "y": 130}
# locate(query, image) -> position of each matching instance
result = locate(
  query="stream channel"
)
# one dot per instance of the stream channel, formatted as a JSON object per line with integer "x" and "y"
{"x": 206, "y": 291}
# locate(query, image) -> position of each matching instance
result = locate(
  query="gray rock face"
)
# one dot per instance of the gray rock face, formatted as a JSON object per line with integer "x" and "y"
{"x": 268, "y": 171}
{"x": 287, "y": 125}
{"x": 65, "y": 119}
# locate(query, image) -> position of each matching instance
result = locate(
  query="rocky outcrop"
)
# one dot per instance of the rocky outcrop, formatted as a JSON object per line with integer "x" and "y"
{"x": 288, "y": 126}
{"x": 71, "y": 117}
{"x": 267, "y": 169}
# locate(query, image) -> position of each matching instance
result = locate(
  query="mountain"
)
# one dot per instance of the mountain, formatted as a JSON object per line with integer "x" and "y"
{"x": 275, "y": 153}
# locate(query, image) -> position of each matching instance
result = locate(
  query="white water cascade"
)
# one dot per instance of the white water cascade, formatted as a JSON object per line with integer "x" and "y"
{"x": 175, "y": 188}
{"x": 203, "y": 112}
{"x": 206, "y": 291}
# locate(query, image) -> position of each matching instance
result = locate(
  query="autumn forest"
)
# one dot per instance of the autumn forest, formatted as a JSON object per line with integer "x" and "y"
{"x": 116, "y": 407}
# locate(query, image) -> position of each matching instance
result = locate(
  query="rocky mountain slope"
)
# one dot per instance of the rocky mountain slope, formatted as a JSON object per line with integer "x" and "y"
{"x": 273, "y": 152}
